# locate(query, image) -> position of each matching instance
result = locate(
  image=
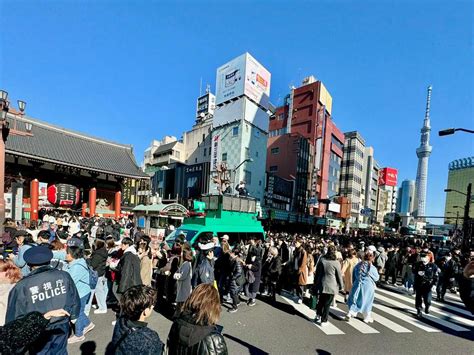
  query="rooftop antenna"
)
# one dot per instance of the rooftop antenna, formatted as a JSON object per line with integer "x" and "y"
{"x": 208, "y": 88}
{"x": 200, "y": 86}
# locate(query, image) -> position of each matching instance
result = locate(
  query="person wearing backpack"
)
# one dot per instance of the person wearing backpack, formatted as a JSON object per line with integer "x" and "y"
{"x": 79, "y": 271}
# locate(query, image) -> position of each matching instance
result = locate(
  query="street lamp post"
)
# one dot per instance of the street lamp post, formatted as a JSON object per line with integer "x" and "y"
{"x": 466, "y": 238}
{"x": 449, "y": 131}
{"x": 6, "y": 110}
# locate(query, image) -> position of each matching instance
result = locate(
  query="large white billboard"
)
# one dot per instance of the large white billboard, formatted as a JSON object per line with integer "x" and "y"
{"x": 243, "y": 75}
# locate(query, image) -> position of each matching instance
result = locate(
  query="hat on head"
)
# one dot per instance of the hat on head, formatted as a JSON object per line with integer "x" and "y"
{"x": 225, "y": 237}
{"x": 372, "y": 248}
{"x": 206, "y": 246}
{"x": 75, "y": 242}
{"x": 38, "y": 255}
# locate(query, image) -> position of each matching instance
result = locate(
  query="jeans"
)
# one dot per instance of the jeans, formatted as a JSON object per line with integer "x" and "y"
{"x": 52, "y": 341}
{"x": 100, "y": 294}
{"x": 82, "y": 321}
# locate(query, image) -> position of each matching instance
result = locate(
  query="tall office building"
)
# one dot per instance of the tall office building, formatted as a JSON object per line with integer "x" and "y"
{"x": 307, "y": 112}
{"x": 461, "y": 173}
{"x": 370, "y": 179}
{"x": 423, "y": 153}
{"x": 406, "y": 197}
{"x": 240, "y": 123}
{"x": 352, "y": 176}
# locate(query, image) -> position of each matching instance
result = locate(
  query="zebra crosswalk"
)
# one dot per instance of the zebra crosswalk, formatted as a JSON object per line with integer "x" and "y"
{"x": 392, "y": 311}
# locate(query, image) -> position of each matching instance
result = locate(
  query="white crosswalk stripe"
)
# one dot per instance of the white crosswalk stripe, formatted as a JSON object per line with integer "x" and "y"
{"x": 382, "y": 320}
{"x": 459, "y": 309}
{"x": 450, "y": 316}
{"x": 389, "y": 318}
{"x": 328, "y": 329}
{"x": 413, "y": 311}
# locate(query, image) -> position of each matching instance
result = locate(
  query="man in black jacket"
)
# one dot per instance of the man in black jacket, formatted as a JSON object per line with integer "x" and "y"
{"x": 128, "y": 267}
{"x": 426, "y": 276}
{"x": 391, "y": 264}
{"x": 43, "y": 290}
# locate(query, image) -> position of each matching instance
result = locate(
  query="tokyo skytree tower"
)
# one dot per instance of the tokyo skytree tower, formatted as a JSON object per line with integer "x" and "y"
{"x": 423, "y": 153}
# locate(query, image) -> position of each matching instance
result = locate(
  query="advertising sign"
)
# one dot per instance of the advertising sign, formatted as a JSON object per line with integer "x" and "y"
{"x": 243, "y": 75}
{"x": 388, "y": 176}
{"x": 215, "y": 152}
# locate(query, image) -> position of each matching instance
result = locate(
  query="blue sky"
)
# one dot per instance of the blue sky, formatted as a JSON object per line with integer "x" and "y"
{"x": 129, "y": 71}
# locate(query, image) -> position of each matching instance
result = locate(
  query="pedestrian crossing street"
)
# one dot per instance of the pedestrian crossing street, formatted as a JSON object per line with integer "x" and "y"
{"x": 394, "y": 310}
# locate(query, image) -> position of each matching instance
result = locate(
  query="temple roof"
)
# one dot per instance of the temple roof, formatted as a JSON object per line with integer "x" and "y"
{"x": 57, "y": 145}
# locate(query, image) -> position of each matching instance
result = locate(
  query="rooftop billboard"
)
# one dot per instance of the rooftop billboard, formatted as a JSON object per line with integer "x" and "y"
{"x": 388, "y": 177}
{"x": 243, "y": 75}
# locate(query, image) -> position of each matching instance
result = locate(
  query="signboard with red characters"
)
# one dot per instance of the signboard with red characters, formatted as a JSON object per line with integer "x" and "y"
{"x": 388, "y": 176}
{"x": 63, "y": 195}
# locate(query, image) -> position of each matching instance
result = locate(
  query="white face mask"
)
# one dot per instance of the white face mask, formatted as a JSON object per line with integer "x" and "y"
{"x": 448, "y": 258}
{"x": 425, "y": 261}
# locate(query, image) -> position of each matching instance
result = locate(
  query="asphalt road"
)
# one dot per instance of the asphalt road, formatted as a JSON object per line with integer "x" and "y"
{"x": 284, "y": 329}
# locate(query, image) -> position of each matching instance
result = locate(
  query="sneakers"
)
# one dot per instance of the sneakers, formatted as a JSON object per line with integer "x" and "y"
{"x": 427, "y": 310}
{"x": 233, "y": 310}
{"x": 251, "y": 303}
{"x": 418, "y": 313}
{"x": 89, "y": 328}
{"x": 75, "y": 339}
{"x": 317, "y": 319}
{"x": 368, "y": 320}
{"x": 347, "y": 317}
{"x": 100, "y": 311}
{"x": 323, "y": 324}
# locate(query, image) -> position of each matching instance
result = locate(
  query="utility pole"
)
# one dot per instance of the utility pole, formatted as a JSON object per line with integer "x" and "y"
{"x": 466, "y": 239}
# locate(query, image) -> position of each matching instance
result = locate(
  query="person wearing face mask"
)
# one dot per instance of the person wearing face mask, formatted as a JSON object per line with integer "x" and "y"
{"x": 446, "y": 276}
{"x": 426, "y": 276}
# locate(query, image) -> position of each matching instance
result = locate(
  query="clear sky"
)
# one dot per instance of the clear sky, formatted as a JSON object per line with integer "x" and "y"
{"x": 129, "y": 71}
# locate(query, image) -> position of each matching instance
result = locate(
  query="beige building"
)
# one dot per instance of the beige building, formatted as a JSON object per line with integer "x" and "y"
{"x": 163, "y": 153}
{"x": 461, "y": 173}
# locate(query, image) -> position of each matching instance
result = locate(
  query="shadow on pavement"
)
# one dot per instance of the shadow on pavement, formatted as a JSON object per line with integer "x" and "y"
{"x": 88, "y": 348}
{"x": 322, "y": 352}
{"x": 253, "y": 350}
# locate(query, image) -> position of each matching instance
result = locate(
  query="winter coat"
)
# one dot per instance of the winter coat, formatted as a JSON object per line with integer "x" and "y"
{"x": 129, "y": 270}
{"x": 184, "y": 287}
{"x": 393, "y": 258}
{"x": 348, "y": 266}
{"x": 328, "y": 277}
{"x": 188, "y": 338}
{"x": 271, "y": 269}
{"x": 426, "y": 276}
{"x": 134, "y": 337}
{"x": 236, "y": 275}
{"x": 98, "y": 260}
{"x": 15, "y": 335}
{"x": 43, "y": 290}
{"x": 146, "y": 270}
{"x": 204, "y": 273}
{"x": 284, "y": 253}
{"x": 301, "y": 265}
{"x": 253, "y": 258}
{"x": 362, "y": 294}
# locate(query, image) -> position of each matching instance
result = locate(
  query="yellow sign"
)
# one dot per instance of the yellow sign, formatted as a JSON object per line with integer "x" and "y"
{"x": 325, "y": 98}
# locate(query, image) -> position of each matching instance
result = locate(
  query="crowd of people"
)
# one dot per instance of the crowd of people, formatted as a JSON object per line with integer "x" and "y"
{"x": 57, "y": 271}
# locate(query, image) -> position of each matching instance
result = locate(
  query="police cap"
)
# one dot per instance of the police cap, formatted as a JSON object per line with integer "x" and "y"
{"x": 38, "y": 255}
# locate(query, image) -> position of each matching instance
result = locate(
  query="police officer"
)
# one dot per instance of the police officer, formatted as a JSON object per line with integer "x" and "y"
{"x": 43, "y": 290}
{"x": 426, "y": 276}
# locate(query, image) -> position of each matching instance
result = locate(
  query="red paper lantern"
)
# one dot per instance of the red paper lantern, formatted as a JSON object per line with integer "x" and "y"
{"x": 63, "y": 195}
